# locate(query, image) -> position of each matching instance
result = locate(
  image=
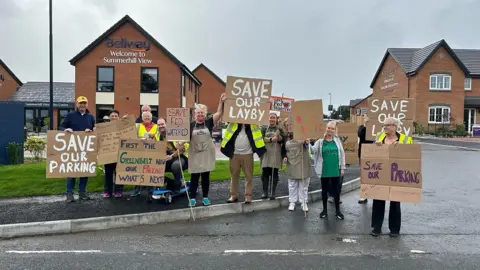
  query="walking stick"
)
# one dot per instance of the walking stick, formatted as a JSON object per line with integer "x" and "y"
{"x": 186, "y": 188}
{"x": 303, "y": 186}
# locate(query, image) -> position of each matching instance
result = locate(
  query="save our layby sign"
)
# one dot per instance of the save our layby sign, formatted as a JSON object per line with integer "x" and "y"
{"x": 380, "y": 109}
{"x": 248, "y": 100}
{"x": 391, "y": 172}
{"x": 71, "y": 154}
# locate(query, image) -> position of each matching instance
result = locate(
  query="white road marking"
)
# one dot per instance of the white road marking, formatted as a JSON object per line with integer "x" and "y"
{"x": 260, "y": 251}
{"x": 51, "y": 251}
{"x": 451, "y": 146}
{"x": 417, "y": 251}
{"x": 349, "y": 240}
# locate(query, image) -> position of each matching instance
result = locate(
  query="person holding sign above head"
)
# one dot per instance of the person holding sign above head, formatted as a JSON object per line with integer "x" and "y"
{"x": 239, "y": 143}
{"x": 147, "y": 130}
{"x": 110, "y": 169}
{"x": 388, "y": 136}
{"x": 201, "y": 153}
{"x": 78, "y": 120}
{"x": 329, "y": 159}
{"x": 299, "y": 170}
{"x": 273, "y": 137}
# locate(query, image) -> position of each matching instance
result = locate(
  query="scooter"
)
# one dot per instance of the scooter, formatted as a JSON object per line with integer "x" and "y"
{"x": 166, "y": 195}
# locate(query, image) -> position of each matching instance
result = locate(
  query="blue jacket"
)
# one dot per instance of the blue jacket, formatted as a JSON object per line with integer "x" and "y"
{"x": 78, "y": 122}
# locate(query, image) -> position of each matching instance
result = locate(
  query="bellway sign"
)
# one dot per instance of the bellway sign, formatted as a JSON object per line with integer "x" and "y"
{"x": 124, "y": 43}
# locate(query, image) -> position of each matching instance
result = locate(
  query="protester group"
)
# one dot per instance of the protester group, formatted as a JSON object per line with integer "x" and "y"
{"x": 272, "y": 136}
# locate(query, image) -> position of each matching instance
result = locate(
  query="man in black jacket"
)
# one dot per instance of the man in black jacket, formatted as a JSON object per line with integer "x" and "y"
{"x": 79, "y": 120}
{"x": 362, "y": 134}
{"x": 146, "y": 108}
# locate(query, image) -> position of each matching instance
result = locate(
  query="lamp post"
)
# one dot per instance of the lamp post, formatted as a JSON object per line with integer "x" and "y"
{"x": 330, "y": 106}
{"x": 50, "y": 110}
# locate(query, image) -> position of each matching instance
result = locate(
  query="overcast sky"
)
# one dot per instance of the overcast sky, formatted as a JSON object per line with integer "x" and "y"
{"x": 308, "y": 48}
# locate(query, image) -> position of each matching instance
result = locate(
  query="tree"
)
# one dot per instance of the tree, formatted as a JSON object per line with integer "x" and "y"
{"x": 342, "y": 110}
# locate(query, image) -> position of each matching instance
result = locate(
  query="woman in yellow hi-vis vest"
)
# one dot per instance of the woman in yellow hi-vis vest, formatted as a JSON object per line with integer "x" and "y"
{"x": 147, "y": 130}
{"x": 389, "y": 135}
{"x": 239, "y": 143}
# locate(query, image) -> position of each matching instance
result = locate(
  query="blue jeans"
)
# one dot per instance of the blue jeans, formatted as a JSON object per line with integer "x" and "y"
{"x": 82, "y": 185}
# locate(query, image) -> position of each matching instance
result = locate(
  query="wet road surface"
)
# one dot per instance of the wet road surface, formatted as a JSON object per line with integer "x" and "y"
{"x": 442, "y": 232}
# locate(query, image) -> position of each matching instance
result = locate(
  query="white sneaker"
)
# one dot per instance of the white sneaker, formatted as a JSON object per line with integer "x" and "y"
{"x": 304, "y": 207}
{"x": 291, "y": 207}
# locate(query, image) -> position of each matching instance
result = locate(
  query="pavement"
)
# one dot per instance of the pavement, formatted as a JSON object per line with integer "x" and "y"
{"x": 441, "y": 232}
{"x": 55, "y": 208}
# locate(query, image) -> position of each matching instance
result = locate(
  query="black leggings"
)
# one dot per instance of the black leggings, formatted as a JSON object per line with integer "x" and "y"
{"x": 109, "y": 185}
{"x": 195, "y": 177}
{"x": 394, "y": 216}
{"x": 331, "y": 184}
{"x": 267, "y": 172}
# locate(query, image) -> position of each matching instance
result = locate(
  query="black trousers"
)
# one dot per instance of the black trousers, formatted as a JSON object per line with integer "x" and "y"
{"x": 394, "y": 216}
{"x": 109, "y": 185}
{"x": 331, "y": 184}
{"x": 194, "y": 178}
{"x": 268, "y": 172}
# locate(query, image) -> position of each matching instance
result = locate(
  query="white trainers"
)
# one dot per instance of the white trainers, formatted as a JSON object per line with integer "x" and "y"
{"x": 291, "y": 207}
{"x": 304, "y": 207}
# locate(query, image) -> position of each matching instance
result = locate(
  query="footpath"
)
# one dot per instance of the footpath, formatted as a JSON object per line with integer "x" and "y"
{"x": 472, "y": 144}
{"x": 55, "y": 208}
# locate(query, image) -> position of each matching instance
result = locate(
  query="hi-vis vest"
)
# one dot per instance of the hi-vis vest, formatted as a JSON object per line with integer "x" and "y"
{"x": 141, "y": 130}
{"x": 256, "y": 134}
{"x": 186, "y": 145}
{"x": 403, "y": 138}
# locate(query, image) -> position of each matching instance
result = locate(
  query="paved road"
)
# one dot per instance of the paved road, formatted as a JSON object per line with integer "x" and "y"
{"x": 467, "y": 144}
{"x": 440, "y": 233}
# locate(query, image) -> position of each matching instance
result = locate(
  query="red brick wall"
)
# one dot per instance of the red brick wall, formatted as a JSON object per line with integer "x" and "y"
{"x": 127, "y": 76}
{"x": 441, "y": 61}
{"x": 9, "y": 86}
{"x": 211, "y": 89}
{"x": 475, "y": 88}
{"x": 392, "y": 81}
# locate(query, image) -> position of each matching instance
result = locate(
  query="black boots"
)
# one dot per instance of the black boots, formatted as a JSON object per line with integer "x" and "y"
{"x": 265, "y": 186}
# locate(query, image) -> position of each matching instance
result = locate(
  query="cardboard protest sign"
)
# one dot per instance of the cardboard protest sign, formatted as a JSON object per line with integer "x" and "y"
{"x": 109, "y": 135}
{"x": 379, "y": 109}
{"x": 391, "y": 172}
{"x": 281, "y": 104}
{"x": 178, "y": 124}
{"x": 348, "y": 134}
{"x": 248, "y": 100}
{"x": 141, "y": 163}
{"x": 71, "y": 154}
{"x": 307, "y": 118}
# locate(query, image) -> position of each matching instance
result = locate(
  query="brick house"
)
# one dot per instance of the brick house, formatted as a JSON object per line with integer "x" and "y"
{"x": 9, "y": 83}
{"x": 126, "y": 68}
{"x": 211, "y": 89}
{"x": 444, "y": 82}
{"x": 358, "y": 107}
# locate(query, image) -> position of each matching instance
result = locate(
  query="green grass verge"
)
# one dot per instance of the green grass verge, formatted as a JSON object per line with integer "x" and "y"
{"x": 29, "y": 179}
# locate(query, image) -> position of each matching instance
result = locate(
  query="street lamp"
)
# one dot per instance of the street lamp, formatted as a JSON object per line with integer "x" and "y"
{"x": 330, "y": 106}
{"x": 50, "y": 110}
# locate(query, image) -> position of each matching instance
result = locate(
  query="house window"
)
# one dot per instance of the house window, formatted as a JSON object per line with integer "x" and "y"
{"x": 62, "y": 113}
{"x": 468, "y": 84}
{"x": 440, "y": 82}
{"x": 438, "y": 115}
{"x": 149, "y": 81}
{"x": 103, "y": 113}
{"x": 183, "y": 85}
{"x": 105, "y": 79}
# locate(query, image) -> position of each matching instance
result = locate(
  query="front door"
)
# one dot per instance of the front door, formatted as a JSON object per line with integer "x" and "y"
{"x": 469, "y": 119}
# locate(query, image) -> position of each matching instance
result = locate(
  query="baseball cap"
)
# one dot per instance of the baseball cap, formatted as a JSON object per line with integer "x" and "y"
{"x": 82, "y": 99}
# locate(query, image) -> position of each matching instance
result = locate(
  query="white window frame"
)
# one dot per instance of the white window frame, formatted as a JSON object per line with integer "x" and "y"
{"x": 183, "y": 84}
{"x": 468, "y": 84}
{"x": 435, "y": 78}
{"x": 442, "y": 118}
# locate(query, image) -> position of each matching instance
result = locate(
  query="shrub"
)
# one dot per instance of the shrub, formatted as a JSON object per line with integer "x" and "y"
{"x": 460, "y": 131}
{"x": 419, "y": 128}
{"x": 36, "y": 146}
{"x": 14, "y": 151}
